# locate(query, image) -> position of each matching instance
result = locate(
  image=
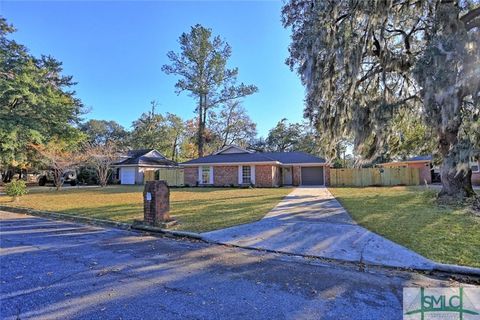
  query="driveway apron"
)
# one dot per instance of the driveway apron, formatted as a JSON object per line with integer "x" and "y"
{"x": 310, "y": 221}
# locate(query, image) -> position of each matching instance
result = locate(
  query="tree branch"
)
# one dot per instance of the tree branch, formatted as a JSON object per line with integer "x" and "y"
{"x": 469, "y": 16}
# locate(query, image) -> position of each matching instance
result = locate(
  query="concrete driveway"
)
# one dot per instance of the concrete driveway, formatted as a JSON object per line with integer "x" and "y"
{"x": 310, "y": 221}
{"x": 61, "y": 270}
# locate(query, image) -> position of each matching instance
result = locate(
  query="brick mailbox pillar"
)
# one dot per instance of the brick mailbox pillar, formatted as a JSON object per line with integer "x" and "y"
{"x": 156, "y": 204}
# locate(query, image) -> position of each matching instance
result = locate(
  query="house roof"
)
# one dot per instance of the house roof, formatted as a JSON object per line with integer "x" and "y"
{"x": 145, "y": 157}
{"x": 233, "y": 149}
{"x": 140, "y": 152}
{"x": 268, "y": 157}
{"x": 409, "y": 160}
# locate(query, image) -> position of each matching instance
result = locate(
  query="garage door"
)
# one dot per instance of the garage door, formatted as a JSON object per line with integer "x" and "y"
{"x": 312, "y": 176}
{"x": 127, "y": 175}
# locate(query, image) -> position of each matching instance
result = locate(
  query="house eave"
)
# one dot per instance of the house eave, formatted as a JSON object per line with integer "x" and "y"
{"x": 306, "y": 164}
{"x": 145, "y": 165}
{"x": 400, "y": 163}
{"x": 229, "y": 163}
{"x": 302, "y": 164}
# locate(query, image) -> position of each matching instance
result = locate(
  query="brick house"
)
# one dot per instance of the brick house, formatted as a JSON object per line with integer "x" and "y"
{"x": 235, "y": 166}
{"x": 424, "y": 163}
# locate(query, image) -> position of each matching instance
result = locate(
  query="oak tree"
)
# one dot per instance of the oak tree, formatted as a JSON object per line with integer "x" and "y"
{"x": 362, "y": 62}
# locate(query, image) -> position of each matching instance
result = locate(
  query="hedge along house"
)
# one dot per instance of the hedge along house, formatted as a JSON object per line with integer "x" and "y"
{"x": 235, "y": 166}
{"x": 132, "y": 167}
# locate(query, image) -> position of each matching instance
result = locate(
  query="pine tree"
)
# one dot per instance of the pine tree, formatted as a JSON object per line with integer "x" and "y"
{"x": 202, "y": 68}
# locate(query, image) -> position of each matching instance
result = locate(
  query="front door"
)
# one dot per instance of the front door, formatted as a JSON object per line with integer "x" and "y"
{"x": 287, "y": 175}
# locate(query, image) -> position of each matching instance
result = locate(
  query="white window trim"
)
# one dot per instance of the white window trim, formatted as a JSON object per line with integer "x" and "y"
{"x": 200, "y": 175}
{"x": 240, "y": 175}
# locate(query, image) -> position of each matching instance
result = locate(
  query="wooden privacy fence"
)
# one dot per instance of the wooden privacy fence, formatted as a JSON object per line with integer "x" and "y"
{"x": 362, "y": 177}
{"x": 173, "y": 176}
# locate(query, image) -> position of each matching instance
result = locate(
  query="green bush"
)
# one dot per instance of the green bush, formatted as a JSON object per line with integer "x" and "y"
{"x": 16, "y": 189}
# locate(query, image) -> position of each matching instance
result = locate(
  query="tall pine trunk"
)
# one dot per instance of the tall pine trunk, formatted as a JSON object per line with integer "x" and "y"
{"x": 201, "y": 125}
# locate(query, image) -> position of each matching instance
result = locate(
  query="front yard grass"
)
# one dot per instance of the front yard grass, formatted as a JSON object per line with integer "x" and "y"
{"x": 410, "y": 216}
{"x": 196, "y": 209}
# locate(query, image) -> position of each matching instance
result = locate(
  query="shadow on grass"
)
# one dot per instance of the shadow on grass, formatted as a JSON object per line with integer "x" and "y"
{"x": 413, "y": 219}
{"x": 193, "y": 215}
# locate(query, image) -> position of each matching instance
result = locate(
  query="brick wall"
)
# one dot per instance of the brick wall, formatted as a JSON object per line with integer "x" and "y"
{"x": 156, "y": 208}
{"x": 264, "y": 176}
{"x": 296, "y": 175}
{"x": 225, "y": 175}
{"x": 191, "y": 176}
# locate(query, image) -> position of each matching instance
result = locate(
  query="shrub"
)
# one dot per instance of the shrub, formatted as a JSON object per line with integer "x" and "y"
{"x": 87, "y": 175}
{"x": 16, "y": 189}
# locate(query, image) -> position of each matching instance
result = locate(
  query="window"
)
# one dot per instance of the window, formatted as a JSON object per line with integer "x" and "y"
{"x": 474, "y": 165}
{"x": 205, "y": 178}
{"x": 246, "y": 175}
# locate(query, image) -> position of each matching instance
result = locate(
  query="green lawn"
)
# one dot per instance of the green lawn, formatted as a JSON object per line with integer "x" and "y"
{"x": 196, "y": 209}
{"x": 410, "y": 217}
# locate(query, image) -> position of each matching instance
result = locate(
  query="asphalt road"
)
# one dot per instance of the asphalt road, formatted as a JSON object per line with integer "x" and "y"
{"x": 61, "y": 270}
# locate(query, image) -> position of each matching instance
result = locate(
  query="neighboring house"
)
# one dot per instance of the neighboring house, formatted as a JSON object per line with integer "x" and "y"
{"x": 132, "y": 167}
{"x": 424, "y": 163}
{"x": 234, "y": 166}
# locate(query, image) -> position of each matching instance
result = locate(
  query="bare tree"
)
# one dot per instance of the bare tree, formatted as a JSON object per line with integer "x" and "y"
{"x": 58, "y": 157}
{"x": 233, "y": 125}
{"x": 101, "y": 158}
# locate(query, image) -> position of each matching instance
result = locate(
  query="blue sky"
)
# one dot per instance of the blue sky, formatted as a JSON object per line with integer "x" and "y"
{"x": 115, "y": 50}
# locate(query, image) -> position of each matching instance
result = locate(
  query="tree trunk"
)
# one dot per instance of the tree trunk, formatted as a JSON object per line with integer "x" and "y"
{"x": 57, "y": 178}
{"x": 201, "y": 126}
{"x": 455, "y": 174}
{"x": 455, "y": 183}
{"x": 103, "y": 175}
{"x": 174, "y": 149}
{"x": 8, "y": 175}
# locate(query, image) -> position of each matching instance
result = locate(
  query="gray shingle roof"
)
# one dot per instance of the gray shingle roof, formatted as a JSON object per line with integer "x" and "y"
{"x": 138, "y": 157}
{"x": 138, "y": 153}
{"x": 282, "y": 157}
{"x": 294, "y": 157}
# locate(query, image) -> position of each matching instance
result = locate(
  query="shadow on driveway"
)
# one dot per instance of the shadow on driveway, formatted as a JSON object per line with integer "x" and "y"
{"x": 310, "y": 221}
